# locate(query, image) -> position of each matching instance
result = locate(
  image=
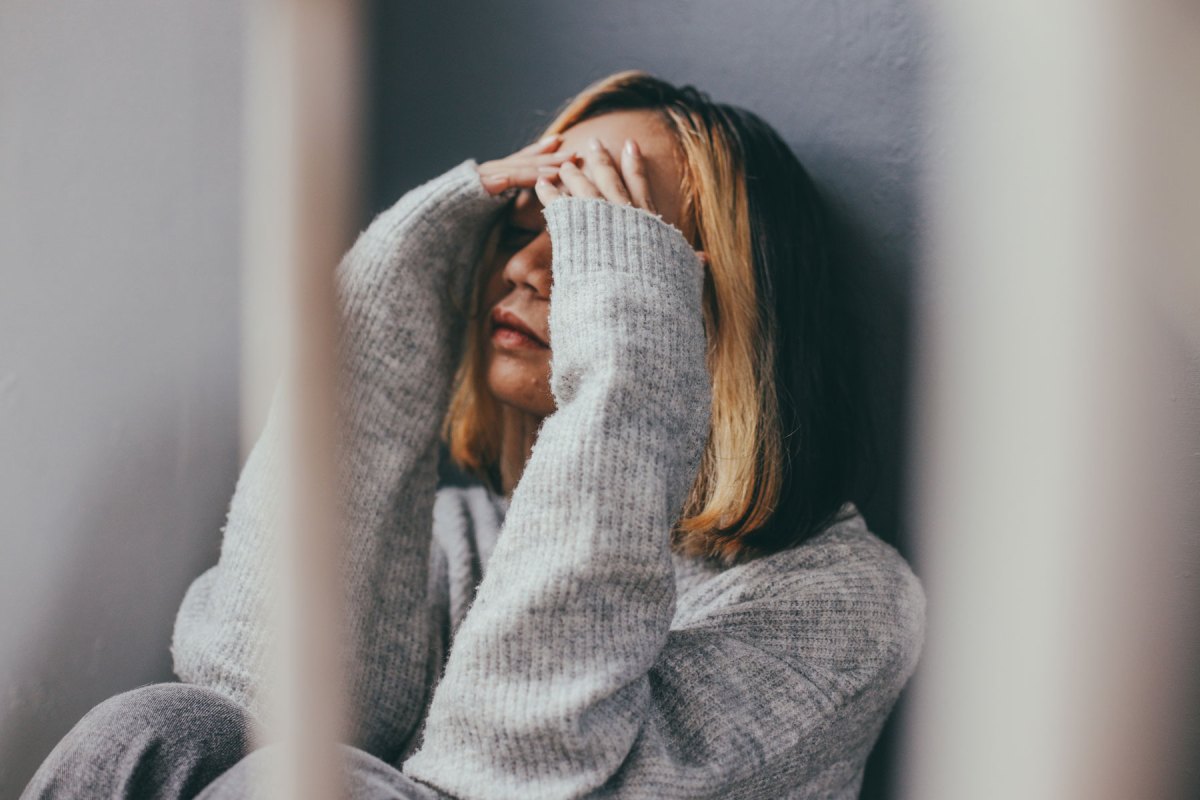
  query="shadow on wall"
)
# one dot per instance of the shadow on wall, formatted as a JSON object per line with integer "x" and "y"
{"x": 116, "y": 587}
{"x": 884, "y": 307}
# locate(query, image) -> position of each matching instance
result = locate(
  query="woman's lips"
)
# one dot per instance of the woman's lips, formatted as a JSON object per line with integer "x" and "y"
{"x": 512, "y": 338}
{"x": 510, "y": 330}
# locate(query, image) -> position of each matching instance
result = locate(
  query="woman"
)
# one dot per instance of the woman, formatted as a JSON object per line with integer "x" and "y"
{"x": 629, "y": 340}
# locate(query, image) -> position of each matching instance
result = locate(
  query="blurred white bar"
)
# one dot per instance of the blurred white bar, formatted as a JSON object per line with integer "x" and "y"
{"x": 302, "y": 168}
{"x": 1048, "y": 447}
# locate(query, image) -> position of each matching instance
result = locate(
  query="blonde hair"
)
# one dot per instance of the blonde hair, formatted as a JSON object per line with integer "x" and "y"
{"x": 742, "y": 471}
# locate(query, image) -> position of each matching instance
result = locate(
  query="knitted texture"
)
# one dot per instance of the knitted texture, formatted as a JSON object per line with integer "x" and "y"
{"x": 552, "y": 645}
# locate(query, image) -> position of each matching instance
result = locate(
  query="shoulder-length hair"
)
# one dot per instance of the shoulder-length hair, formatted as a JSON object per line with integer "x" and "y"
{"x": 790, "y": 433}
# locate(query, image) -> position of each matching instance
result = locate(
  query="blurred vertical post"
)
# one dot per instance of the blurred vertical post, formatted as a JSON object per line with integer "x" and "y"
{"x": 1053, "y": 452}
{"x": 302, "y": 111}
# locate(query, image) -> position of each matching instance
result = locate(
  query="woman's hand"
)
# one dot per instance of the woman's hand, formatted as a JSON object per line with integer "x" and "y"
{"x": 600, "y": 177}
{"x": 522, "y": 168}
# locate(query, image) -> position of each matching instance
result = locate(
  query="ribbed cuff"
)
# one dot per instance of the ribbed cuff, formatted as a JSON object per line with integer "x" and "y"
{"x": 626, "y": 302}
{"x": 592, "y": 234}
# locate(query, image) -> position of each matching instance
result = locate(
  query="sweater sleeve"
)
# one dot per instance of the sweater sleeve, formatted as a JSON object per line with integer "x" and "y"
{"x": 398, "y": 288}
{"x": 547, "y": 688}
{"x": 781, "y": 684}
{"x": 573, "y": 673}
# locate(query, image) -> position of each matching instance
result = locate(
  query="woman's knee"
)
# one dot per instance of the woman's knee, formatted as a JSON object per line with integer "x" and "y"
{"x": 169, "y": 704}
{"x": 174, "y": 735}
{"x": 175, "y": 715}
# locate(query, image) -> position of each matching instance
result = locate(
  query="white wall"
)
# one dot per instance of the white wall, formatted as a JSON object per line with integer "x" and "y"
{"x": 1058, "y": 409}
{"x": 119, "y": 245}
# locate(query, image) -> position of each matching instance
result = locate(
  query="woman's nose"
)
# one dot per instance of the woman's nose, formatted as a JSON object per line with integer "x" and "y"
{"x": 530, "y": 266}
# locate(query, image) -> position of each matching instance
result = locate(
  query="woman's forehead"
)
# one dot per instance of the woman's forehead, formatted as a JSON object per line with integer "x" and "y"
{"x": 613, "y": 127}
{"x": 664, "y": 166}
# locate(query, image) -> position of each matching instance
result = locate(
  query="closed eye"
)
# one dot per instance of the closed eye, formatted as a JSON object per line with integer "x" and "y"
{"x": 514, "y": 235}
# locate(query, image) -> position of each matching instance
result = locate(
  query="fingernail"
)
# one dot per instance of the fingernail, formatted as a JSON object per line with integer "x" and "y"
{"x": 594, "y": 142}
{"x": 548, "y": 139}
{"x": 629, "y": 146}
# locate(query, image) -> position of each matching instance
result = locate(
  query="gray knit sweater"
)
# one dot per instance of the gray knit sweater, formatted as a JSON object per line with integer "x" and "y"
{"x": 573, "y": 653}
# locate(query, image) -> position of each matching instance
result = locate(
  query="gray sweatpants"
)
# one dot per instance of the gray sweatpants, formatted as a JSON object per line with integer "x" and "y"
{"x": 175, "y": 740}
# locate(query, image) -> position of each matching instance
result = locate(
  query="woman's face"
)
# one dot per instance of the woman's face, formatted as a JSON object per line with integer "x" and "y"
{"x": 518, "y": 366}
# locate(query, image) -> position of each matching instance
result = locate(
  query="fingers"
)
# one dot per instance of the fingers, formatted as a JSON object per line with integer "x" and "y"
{"x": 633, "y": 168}
{"x": 546, "y": 191}
{"x": 599, "y": 177}
{"x": 576, "y": 183}
{"x": 518, "y": 171}
{"x": 521, "y": 169}
{"x": 603, "y": 173}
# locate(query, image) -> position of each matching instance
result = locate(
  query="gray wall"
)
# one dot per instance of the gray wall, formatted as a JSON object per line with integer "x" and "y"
{"x": 119, "y": 238}
{"x": 839, "y": 80}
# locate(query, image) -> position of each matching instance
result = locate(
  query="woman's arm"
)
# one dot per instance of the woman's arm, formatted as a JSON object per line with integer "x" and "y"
{"x": 779, "y": 677}
{"x": 396, "y": 289}
{"x": 567, "y": 677}
{"x": 547, "y": 688}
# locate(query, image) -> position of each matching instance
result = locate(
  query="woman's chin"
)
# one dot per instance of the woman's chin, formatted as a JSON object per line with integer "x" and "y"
{"x": 521, "y": 385}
